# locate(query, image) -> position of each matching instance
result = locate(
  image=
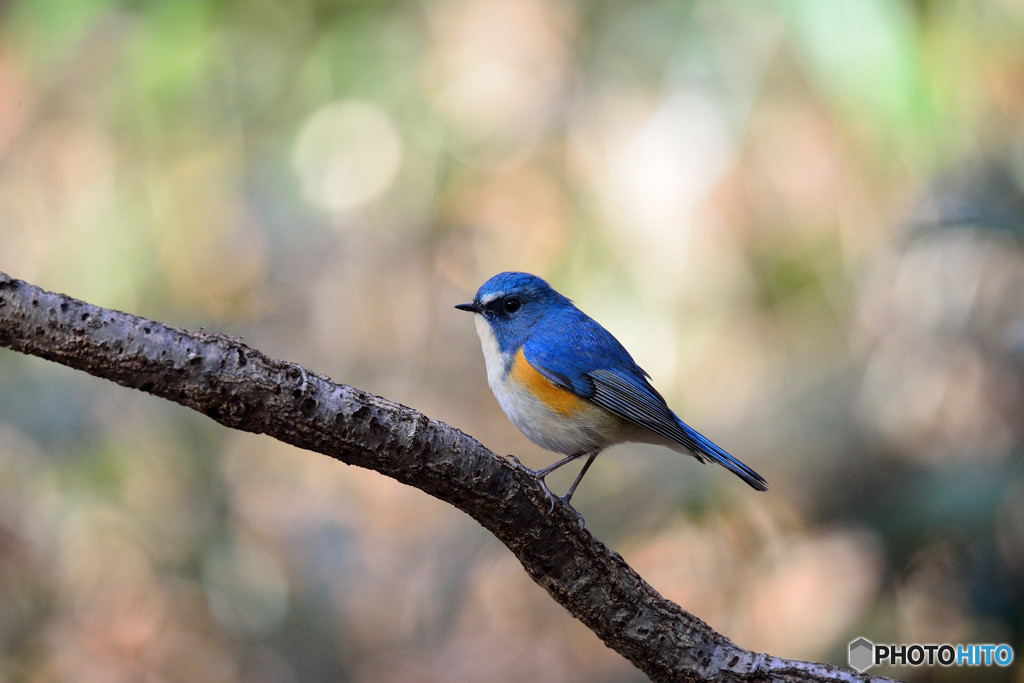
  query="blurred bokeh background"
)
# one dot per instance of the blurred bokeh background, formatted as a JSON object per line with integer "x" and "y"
{"x": 805, "y": 219}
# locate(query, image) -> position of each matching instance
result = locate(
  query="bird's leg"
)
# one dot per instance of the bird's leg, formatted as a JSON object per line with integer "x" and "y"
{"x": 541, "y": 474}
{"x": 579, "y": 477}
{"x": 572, "y": 489}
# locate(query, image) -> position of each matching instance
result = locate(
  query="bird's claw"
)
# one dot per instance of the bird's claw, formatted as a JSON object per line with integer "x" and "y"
{"x": 552, "y": 498}
{"x": 532, "y": 474}
{"x": 579, "y": 517}
{"x": 547, "y": 492}
{"x": 540, "y": 479}
{"x": 514, "y": 462}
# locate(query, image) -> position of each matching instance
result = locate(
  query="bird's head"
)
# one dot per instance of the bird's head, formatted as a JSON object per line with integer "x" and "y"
{"x": 511, "y": 304}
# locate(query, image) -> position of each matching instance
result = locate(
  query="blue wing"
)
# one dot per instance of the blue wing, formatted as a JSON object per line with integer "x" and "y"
{"x": 600, "y": 370}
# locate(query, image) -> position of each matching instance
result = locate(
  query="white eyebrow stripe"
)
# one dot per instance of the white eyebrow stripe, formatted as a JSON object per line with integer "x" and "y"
{"x": 491, "y": 297}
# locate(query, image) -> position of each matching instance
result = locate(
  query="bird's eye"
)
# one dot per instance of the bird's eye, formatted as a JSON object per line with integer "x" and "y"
{"x": 512, "y": 305}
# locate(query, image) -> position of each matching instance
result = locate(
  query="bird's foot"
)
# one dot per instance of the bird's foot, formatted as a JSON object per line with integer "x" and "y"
{"x": 574, "y": 511}
{"x": 514, "y": 462}
{"x": 536, "y": 475}
{"x": 540, "y": 478}
{"x": 552, "y": 498}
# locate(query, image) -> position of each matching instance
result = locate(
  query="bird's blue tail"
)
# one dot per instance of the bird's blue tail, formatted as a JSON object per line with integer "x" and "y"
{"x": 703, "y": 446}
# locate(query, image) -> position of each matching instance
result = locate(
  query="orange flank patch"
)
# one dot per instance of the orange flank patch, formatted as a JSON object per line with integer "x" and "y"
{"x": 562, "y": 401}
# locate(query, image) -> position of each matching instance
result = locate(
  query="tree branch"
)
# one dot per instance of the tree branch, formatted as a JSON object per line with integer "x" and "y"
{"x": 241, "y": 388}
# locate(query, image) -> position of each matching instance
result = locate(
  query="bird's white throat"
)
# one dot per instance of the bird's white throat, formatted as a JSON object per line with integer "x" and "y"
{"x": 495, "y": 360}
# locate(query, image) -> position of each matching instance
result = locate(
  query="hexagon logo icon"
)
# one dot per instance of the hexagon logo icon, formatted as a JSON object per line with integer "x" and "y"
{"x": 862, "y": 654}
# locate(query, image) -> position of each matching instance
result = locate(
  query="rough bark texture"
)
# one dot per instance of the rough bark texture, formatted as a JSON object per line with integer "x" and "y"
{"x": 241, "y": 388}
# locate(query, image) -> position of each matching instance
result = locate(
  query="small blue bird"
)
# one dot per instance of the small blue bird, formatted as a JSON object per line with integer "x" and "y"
{"x": 569, "y": 385}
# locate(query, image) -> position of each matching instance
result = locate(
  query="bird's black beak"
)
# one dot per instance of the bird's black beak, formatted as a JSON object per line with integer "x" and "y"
{"x": 472, "y": 308}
